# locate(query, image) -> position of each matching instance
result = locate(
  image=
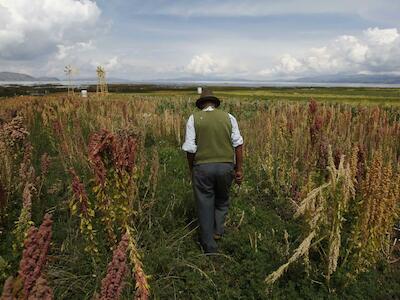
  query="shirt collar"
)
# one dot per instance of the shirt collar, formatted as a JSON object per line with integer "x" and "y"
{"x": 208, "y": 108}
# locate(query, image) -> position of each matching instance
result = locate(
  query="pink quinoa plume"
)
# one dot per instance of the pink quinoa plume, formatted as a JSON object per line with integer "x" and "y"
{"x": 34, "y": 256}
{"x": 112, "y": 284}
{"x": 79, "y": 191}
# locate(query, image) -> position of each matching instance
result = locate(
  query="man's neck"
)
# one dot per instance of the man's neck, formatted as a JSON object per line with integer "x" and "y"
{"x": 208, "y": 108}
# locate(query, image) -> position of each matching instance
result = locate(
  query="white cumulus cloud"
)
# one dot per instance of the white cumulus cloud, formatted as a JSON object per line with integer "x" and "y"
{"x": 31, "y": 28}
{"x": 287, "y": 64}
{"x": 112, "y": 63}
{"x": 109, "y": 64}
{"x": 382, "y": 36}
{"x": 374, "y": 51}
{"x": 203, "y": 64}
{"x": 65, "y": 51}
{"x": 216, "y": 65}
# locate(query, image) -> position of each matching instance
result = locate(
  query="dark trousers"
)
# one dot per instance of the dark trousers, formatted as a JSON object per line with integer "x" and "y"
{"x": 211, "y": 185}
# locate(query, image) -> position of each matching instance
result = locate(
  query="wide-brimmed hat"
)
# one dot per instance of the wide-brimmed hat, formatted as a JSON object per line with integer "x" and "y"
{"x": 207, "y": 95}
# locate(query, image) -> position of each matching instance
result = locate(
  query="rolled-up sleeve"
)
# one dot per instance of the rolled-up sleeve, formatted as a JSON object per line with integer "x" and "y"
{"x": 236, "y": 137}
{"x": 190, "y": 138}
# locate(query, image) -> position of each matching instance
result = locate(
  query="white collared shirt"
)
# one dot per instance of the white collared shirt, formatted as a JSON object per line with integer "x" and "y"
{"x": 190, "y": 138}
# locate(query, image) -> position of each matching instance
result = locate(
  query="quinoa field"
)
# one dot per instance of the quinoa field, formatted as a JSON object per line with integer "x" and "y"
{"x": 96, "y": 199}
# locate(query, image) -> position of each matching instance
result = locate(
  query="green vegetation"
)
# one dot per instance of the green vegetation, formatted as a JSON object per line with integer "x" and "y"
{"x": 286, "y": 158}
{"x": 351, "y": 95}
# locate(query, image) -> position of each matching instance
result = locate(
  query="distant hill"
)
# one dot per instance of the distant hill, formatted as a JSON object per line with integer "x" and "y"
{"x": 336, "y": 78}
{"x": 200, "y": 78}
{"x": 360, "y": 78}
{"x": 45, "y": 78}
{"x": 11, "y": 76}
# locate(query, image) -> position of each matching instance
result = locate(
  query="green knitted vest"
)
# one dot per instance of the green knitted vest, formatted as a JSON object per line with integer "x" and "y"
{"x": 213, "y": 137}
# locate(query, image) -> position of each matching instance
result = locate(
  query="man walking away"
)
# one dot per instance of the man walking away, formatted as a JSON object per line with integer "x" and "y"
{"x": 214, "y": 151}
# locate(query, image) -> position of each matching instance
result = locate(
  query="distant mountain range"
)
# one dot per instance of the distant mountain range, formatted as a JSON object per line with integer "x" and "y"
{"x": 11, "y": 76}
{"x": 332, "y": 79}
{"x": 20, "y": 77}
{"x": 344, "y": 78}
{"x": 200, "y": 78}
{"x": 338, "y": 78}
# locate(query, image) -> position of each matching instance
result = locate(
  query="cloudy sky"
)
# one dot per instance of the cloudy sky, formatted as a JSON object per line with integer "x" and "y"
{"x": 154, "y": 39}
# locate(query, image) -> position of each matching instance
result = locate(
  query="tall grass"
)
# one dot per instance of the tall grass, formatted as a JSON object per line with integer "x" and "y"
{"x": 332, "y": 167}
